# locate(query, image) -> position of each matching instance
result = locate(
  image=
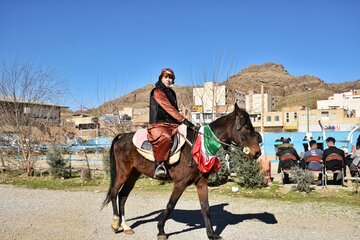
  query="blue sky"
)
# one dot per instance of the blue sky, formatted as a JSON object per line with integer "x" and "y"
{"x": 105, "y": 49}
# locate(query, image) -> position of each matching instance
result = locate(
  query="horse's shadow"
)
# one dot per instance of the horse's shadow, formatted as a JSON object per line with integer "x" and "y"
{"x": 193, "y": 218}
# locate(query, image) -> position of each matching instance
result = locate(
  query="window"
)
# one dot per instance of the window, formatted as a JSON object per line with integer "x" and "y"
{"x": 207, "y": 116}
{"x": 277, "y": 119}
{"x": 198, "y": 116}
{"x": 295, "y": 115}
{"x": 287, "y": 117}
{"x": 268, "y": 118}
{"x": 325, "y": 114}
{"x": 86, "y": 126}
{"x": 27, "y": 110}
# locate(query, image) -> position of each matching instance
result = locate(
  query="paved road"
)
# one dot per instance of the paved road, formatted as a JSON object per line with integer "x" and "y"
{"x": 60, "y": 215}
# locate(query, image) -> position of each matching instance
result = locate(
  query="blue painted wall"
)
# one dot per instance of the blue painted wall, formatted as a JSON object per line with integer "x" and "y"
{"x": 297, "y": 139}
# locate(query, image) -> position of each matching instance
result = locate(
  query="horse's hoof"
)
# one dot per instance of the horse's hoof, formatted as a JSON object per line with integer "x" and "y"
{"x": 215, "y": 237}
{"x": 129, "y": 231}
{"x": 115, "y": 230}
{"x": 161, "y": 237}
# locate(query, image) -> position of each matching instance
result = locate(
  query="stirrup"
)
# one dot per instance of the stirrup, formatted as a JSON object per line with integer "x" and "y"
{"x": 160, "y": 171}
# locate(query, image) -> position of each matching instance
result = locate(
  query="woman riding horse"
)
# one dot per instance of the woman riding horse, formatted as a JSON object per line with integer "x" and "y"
{"x": 127, "y": 164}
{"x": 164, "y": 120}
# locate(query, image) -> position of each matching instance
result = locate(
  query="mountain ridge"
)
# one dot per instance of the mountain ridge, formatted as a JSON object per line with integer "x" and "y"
{"x": 288, "y": 90}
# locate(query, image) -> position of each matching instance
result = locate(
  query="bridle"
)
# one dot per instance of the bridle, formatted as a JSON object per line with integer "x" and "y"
{"x": 245, "y": 150}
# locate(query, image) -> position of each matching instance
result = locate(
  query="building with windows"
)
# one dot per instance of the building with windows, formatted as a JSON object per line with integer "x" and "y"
{"x": 349, "y": 101}
{"x": 273, "y": 121}
{"x": 298, "y": 119}
{"x": 253, "y": 102}
{"x": 32, "y": 111}
{"x": 211, "y": 101}
{"x": 331, "y": 119}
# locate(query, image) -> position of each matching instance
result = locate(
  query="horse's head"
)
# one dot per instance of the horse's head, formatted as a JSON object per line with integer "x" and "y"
{"x": 244, "y": 135}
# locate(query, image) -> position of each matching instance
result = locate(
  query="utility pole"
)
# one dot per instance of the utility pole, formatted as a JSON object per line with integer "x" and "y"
{"x": 262, "y": 109}
{"x": 307, "y": 109}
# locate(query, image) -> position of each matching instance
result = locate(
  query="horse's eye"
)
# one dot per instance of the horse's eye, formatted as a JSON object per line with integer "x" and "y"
{"x": 259, "y": 138}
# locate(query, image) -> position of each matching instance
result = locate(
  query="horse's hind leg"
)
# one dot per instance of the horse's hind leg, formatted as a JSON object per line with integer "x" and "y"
{"x": 119, "y": 182}
{"x": 123, "y": 195}
{"x": 114, "y": 192}
{"x": 175, "y": 195}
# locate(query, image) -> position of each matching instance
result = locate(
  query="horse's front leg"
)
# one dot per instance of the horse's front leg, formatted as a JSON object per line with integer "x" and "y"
{"x": 202, "y": 190}
{"x": 175, "y": 195}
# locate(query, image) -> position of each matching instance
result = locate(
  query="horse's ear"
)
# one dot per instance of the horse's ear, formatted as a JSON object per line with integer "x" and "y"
{"x": 236, "y": 107}
{"x": 238, "y": 122}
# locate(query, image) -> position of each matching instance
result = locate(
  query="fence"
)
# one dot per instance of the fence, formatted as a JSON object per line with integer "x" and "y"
{"x": 79, "y": 156}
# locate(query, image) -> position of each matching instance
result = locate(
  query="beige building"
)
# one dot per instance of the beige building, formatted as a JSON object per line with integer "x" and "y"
{"x": 331, "y": 119}
{"x": 210, "y": 102}
{"x": 273, "y": 121}
{"x": 86, "y": 126}
{"x": 298, "y": 119}
{"x": 349, "y": 101}
{"x": 253, "y": 102}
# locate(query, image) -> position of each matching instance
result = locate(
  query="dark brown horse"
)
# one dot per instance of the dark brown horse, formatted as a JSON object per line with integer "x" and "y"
{"x": 126, "y": 166}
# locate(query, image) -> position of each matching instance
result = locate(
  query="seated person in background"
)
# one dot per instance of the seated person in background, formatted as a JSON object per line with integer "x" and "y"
{"x": 305, "y": 144}
{"x": 288, "y": 155}
{"x": 278, "y": 142}
{"x": 313, "y": 157}
{"x": 320, "y": 143}
{"x": 333, "y": 165}
{"x": 354, "y": 160}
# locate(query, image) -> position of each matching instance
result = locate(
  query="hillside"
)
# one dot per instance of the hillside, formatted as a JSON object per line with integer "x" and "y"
{"x": 287, "y": 89}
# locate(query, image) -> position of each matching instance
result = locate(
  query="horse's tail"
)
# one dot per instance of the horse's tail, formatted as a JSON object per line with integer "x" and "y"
{"x": 112, "y": 172}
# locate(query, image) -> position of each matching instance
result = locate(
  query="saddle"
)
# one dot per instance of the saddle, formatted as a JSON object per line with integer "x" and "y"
{"x": 144, "y": 147}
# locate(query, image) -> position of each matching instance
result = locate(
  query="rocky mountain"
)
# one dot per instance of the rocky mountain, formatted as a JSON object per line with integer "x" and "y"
{"x": 287, "y": 89}
{"x": 140, "y": 99}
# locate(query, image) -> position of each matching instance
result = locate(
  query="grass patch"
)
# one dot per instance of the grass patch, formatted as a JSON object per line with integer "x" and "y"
{"x": 149, "y": 184}
{"x": 338, "y": 196}
{"x": 75, "y": 183}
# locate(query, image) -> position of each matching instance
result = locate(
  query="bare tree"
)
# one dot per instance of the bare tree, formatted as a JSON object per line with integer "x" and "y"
{"x": 28, "y": 110}
{"x": 212, "y": 95}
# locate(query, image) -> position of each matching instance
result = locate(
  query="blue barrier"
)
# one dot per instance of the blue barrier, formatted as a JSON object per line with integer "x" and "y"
{"x": 297, "y": 139}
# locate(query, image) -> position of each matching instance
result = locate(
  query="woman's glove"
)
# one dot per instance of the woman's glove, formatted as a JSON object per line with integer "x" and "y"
{"x": 188, "y": 124}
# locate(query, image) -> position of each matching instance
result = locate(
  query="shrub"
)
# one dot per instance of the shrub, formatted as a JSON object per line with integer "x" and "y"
{"x": 105, "y": 158}
{"x": 247, "y": 170}
{"x": 302, "y": 178}
{"x": 221, "y": 177}
{"x": 59, "y": 167}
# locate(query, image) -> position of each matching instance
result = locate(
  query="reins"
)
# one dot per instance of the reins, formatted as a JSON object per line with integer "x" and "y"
{"x": 246, "y": 150}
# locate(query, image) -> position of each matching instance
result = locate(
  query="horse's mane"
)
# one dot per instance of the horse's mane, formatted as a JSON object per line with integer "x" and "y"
{"x": 231, "y": 117}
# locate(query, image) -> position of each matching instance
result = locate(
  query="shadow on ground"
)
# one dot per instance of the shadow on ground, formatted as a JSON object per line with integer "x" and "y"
{"x": 193, "y": 218}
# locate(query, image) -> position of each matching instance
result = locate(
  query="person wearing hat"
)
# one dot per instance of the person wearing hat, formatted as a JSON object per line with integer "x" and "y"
{"x": 164, "y": 120}
{"x": 287, "y": 149}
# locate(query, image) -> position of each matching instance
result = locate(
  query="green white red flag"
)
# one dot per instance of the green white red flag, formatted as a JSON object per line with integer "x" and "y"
{"x": 204, "y": 150}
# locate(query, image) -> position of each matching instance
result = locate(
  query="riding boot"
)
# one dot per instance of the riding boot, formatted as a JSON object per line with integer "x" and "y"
{"x": 160, "y": 170}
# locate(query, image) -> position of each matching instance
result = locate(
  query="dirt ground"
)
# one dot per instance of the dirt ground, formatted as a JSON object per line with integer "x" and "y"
{"x": 59, "y": 215}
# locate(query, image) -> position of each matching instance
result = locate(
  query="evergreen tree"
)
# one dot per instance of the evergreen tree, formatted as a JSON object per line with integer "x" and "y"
{"x": 59, "y": 167}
